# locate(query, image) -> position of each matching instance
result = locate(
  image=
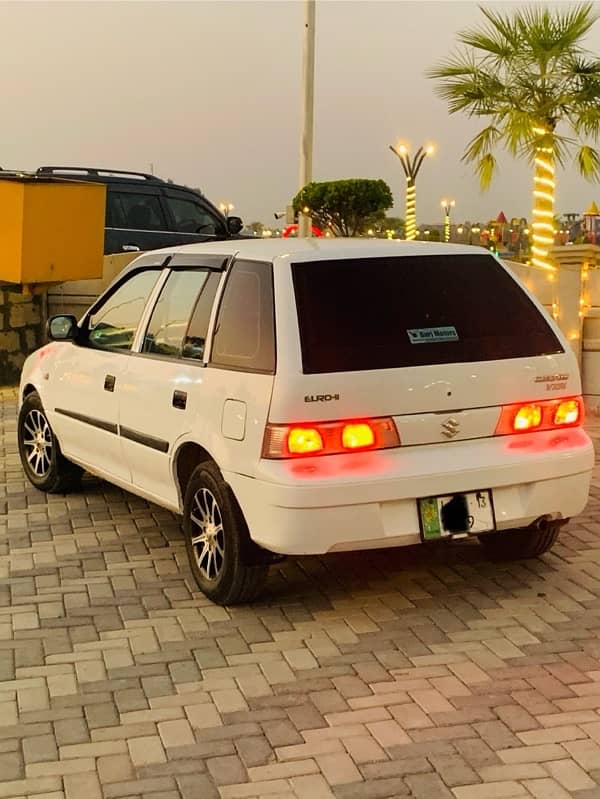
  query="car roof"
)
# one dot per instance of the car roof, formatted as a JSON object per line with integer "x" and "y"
{"x": 260, "y": 249}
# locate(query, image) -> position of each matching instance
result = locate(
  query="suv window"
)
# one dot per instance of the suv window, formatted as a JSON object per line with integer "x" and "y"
{"x": 244, "y": 335}
{"x": 383, "y": 313}
{"x": 113, "y": 324}
{"x": 195, "y": 337}
{"x": 134, "y": 211}
{"x": 191, "y": 217}
{"x": 171, "y": 314}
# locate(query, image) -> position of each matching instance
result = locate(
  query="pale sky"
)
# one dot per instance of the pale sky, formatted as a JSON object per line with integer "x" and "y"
{"x": 210, "y": 94}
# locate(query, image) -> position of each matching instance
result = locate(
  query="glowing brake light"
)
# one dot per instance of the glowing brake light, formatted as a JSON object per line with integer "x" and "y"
{"x": 329, "y": 438}
{"x": 543, "y": 415}
{"x": 304, "y": 441}
{"x": 567, "y": 413}
{"x": 357, "y": 436}
{"x": 528, "y": 417}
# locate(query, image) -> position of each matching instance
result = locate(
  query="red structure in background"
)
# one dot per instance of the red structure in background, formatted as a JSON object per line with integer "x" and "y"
{"x": 316, "y": 231}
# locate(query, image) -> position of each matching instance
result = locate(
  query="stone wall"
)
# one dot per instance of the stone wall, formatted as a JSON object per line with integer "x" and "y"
{"x": 21, "y": 330}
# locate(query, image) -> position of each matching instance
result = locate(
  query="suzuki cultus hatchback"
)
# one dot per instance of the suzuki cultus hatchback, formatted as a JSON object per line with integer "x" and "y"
{"x": 304, "y": 396}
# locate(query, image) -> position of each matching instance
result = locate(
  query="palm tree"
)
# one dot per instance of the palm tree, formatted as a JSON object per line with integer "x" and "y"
{"x": 529, "y": 75}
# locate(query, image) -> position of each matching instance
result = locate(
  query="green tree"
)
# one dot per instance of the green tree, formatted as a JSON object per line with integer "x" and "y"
{"x": 380, "y": 224}
{"x": 256, "y": 228}
{"x": 344, "y": 206}
{"x": 529, "y": 75}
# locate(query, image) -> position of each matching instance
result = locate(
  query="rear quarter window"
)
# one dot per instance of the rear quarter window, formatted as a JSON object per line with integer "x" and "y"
{"x": 385, "y": 313}
{"x": 244, "y": 337}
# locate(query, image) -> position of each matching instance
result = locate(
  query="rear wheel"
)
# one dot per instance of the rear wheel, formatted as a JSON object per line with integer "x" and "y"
{"x": 530, "y": 542}
{"x": 41, "y": 458}
{"x": 228, "y": 567}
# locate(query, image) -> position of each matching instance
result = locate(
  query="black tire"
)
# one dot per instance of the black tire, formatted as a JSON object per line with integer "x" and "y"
{"x": 521, "y": 544}
{"x": 228, "y": 567}
{"x": 43, "y": 462}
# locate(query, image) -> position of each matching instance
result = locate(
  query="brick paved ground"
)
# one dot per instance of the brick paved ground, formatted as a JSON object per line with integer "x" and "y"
{"x": 388, "y": 674}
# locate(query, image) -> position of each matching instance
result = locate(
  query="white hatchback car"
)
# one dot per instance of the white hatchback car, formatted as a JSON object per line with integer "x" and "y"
{"x": 309, "y": 396}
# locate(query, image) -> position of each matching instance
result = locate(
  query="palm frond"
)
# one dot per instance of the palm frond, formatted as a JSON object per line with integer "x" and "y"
{"x": 488, "y": 41}
{"x": 586, "y": 121}
{"x": 486, "y": 168}
{"x": 459, "y": 64}
{"x": 504, "y": 26}
{"x": 482, "y": 144}
{"x": 466, "y": 86}
{"x": 553, "y": 33}
{"x": 584, "y": 67}
{"x": 518, "y": 129}
{"x": 588, "y": 162}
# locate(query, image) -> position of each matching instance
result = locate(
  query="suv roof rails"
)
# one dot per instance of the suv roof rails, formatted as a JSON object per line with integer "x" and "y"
{"x": 83, "y": 170}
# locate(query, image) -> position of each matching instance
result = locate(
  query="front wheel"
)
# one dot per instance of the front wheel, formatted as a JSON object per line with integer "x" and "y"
{"x": 41, "y": 458}
{"x": 225, "y": 563}
{"x": 530, "y": 542}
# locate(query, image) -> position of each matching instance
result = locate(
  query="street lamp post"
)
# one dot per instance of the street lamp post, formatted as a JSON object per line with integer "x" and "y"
{"x": 447, "y": 205}
{"x": 308, "y": 83}
{"x": 411, "y": 170}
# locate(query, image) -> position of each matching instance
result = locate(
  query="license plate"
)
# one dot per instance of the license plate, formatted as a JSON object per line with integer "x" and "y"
{"x": 456, "y": 514}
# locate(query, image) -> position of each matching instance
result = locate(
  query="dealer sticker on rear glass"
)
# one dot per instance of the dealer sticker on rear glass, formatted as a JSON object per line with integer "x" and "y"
{"x": 427, "y": 335}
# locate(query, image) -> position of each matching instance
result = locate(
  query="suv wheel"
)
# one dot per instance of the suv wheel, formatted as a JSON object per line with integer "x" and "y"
{"x": 218, "y": 543}
{"x": 529, "y": 542}
{"x": 41, "y": 458}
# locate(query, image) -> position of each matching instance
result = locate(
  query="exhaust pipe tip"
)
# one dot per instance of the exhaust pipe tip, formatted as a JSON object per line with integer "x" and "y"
{"x": 542, "y": 524}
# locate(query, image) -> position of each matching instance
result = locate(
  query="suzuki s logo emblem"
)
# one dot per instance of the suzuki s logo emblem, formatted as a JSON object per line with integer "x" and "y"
{"x": 450, "y": 428}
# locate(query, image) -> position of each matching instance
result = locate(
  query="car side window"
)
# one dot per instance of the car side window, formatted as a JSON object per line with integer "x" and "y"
{"x": 133, "y": 211}
{"x": 171, "y": 315}
{"x": 244, "y": 335}
{"x": 191, "y": 217}
{"x": 112, "y": 325}
{"x": 195, "y": 337}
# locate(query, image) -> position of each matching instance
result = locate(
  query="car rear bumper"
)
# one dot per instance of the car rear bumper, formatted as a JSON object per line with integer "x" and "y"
{"x": 366, "y": 500}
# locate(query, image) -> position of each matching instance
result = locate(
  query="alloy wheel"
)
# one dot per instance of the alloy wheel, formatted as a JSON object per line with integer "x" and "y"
{"x": 208, "y": 540}
{"x": 37, "y": 442}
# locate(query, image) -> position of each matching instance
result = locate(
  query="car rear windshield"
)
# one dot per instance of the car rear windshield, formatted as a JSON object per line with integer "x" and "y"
{"x": 383, "y": 313}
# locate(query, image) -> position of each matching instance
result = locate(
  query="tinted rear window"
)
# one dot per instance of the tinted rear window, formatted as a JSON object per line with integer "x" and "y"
{"x": 384, "y": 313}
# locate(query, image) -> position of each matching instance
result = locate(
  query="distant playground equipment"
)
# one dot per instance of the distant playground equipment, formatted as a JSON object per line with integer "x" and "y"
{"x": 291, "y": 229}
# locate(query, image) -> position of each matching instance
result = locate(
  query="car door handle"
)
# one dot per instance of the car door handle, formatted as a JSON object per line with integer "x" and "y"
{"x": 179, "y": 400}
{"x": 109, "y": 383}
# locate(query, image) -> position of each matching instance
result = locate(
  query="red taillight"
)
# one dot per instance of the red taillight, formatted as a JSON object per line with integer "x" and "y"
{"x": 304, "y": 441}
{"x": 527, "y": 417}
{"x": 329, "y": 438}
{"x": 567, "y": 413}
{"x": 358, "y": 436}
{"x": 543, "y": 415}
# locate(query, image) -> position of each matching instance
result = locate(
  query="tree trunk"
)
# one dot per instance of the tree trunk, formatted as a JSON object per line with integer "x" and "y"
{"x": 410, "y": 225}
{"x": 543, "y": 208}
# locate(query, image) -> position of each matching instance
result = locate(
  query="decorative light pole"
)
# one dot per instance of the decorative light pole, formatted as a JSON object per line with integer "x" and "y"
{"x": 543, "y": 193}
{"x": 447, "y": 205}
{"x": 411, "y": 170}
{"x": 226, "y": 208}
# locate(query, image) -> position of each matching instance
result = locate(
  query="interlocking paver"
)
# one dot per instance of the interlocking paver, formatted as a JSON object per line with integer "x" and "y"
{"x": 360, "y": 676}
{"x": 570, "y": 775}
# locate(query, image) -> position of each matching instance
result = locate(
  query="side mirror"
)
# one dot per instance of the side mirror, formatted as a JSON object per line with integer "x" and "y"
{"x": 61, "y": 328}
{"x": 234, "y": 224}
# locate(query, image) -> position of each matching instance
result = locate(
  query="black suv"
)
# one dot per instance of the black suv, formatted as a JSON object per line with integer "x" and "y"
{"x": 144, "y": 212}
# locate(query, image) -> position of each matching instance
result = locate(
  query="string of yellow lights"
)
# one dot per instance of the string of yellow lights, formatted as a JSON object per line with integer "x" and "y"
{"x": 543, "y": 210}
{"x": 411, "y": 210}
